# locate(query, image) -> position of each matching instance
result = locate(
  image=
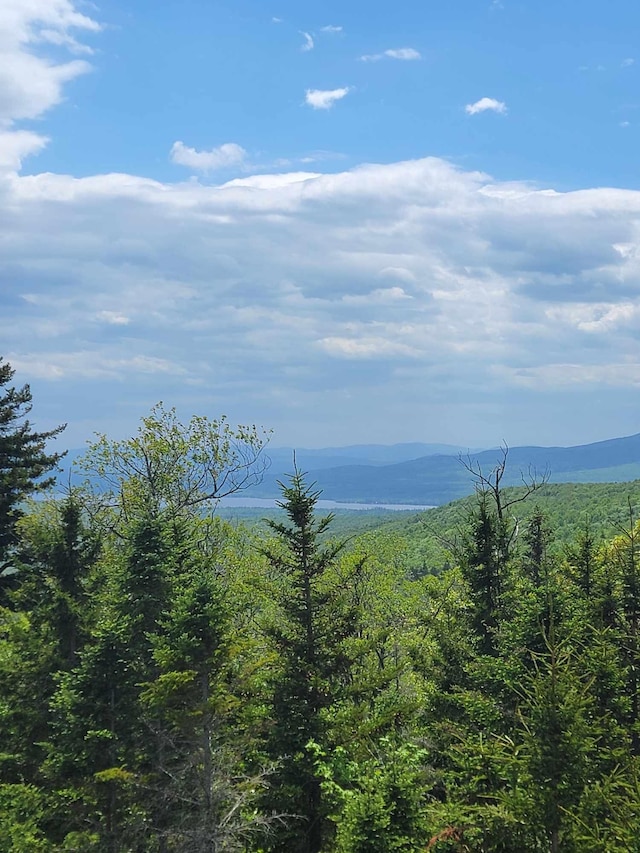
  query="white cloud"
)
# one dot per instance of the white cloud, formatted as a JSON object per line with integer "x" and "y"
{"x": 381, "y": 295}
{"x": 403, "y": 53}
{"x": 16, "y": 145}
{"x": 31, "y": 84}
{"x": 367, "y": 348}
{"x": 113, "y": 318}
{"x": 377, "y": 295}
{"x": 331, "y": 28}
{"x": 398, "y": 274}
{"x": 271, "y": 182}
{"x": 91, "y": 364}
{"x": 324, "y": 99}
{"x": 308, "y": 43}
{"x": 64, "y": 39}
{"x": 484, "y": 105}
{"x": 319, "y": 156}
{"x": 222, "y": 157}
{"x": 627, "y": 63}
{"x": 596, "y": 318}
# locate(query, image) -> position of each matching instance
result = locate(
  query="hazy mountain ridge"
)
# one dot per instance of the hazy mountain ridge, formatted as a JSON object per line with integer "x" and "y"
{"x": 439, "y": 478}
{"x": 374, "y": 473}
{"x": 375, "y": 455}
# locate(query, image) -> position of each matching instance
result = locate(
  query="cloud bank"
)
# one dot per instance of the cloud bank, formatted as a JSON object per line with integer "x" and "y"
{"x": 397, "y": 301}
{"x": 413, "y": 288}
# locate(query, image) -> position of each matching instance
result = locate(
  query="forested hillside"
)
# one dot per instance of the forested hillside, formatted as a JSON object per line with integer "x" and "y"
{"x": 433, "y": 537}
{"x": 170, "y": 682}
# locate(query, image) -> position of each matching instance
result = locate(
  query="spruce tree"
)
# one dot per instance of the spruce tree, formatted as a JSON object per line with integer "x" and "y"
{"x": 313, "y": 664}
{"x": 24, "y": 461}
{"x": 483, "y": 567}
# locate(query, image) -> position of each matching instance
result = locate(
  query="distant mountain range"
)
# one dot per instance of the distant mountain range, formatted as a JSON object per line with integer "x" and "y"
{"x": 374, "y": 455}
{"x": 430, "y": 474}
{"x": 434, "y": 474}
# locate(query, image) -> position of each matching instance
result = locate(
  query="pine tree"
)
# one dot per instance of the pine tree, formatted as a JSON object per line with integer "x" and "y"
{"x": 24, "y": 462}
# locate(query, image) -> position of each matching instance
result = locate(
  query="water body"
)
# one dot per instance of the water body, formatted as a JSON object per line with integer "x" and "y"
{"x": 270, "y": 503}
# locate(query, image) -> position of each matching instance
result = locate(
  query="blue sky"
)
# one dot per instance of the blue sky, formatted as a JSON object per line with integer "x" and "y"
{"x": 385, "y": 222}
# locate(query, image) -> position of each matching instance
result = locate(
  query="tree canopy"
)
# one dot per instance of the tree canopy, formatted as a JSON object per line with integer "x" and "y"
{"x": 171, "y": 683}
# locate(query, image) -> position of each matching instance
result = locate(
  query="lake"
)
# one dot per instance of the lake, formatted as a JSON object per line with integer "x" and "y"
{"x": 270, "y": 503}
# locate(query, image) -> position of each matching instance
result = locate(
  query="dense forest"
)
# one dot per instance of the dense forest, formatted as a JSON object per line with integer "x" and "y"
{"x": 171, "y": 682}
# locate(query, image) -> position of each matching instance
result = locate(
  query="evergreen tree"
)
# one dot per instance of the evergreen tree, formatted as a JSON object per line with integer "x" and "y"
{"x": 24, "y": 462}
{"x": 559, "y": 738}
{"x": 202, "y": 796}
{"x": 484, "y": 568}
{"x": 582, "y": 561}
{"x": 96, "y": 744}
{"x": 313, "y": 664}
{"x": 623, "y": 562}
{"x": 536, "y": 540}
{"x": 56, "y": 556}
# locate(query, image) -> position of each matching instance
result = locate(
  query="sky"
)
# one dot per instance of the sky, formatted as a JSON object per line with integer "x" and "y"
{"x": 346, "y": 222}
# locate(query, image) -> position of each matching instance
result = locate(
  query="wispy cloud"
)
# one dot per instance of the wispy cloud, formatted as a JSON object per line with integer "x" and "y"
{"x": 31, "y": 83}
{"x": 113, "y": 318}
{"x": 308, "y": 43}
{"x": 18, "y": 144}
{"x": 275, "y": 20}
{"x": 324, "y": 99}
{"x": 403, "y": 53}
{"x": 229, "y": 154}
{"x": 319, "y": 156}
{"x": 486, "y": 105}
{"x": 627, "y": 63}
{"x": 331, "y": 28}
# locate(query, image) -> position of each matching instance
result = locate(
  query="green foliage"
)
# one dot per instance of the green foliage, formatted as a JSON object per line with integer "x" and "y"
{"x": 57, "y": 555}
{"x": 435, "y": 536}
{"x": 25, "y": 465}
{"x": 316, "y": 619}
{"x": 379, "y": 803}
{"x": 169, "y": 683}
{"x": 173, "y": 467}
{"x": 22, "y": 813}
{"x": 608, "y": 816}
{"x": 27, "y": 663}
